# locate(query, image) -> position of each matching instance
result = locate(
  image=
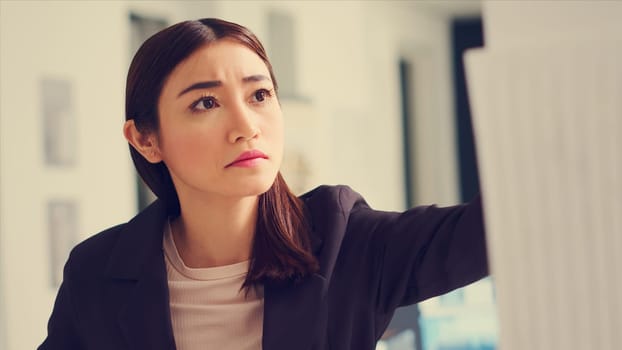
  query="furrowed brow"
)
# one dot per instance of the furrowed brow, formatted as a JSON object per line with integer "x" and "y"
{"x": 255, "y": 78}
{"x": 201, "y": 85}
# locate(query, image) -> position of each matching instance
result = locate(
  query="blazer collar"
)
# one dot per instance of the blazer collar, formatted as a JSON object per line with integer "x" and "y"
{"x": 139, "y": 241}
{"x": 139, "y": 286}
{"x": 293, "y": 312}
{"x": 295, "y": 315}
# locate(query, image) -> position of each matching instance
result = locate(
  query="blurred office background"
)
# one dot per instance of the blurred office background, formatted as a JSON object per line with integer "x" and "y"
{"x": 373, "y": 94}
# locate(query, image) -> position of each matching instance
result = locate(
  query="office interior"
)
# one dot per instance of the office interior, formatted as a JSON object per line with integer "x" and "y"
{"x": 375, "y": 95}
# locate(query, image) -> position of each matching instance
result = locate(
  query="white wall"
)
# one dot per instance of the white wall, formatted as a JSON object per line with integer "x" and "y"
{"x": 349, "y": 54}
{"x": 348, "y": 59}
{"x": 545, "y": 95}
{"x": 85, "y": 44}
{"x": 527, "y": 22}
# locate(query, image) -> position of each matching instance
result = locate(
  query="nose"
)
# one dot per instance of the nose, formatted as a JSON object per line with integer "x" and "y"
{"x": 243, "y": 125}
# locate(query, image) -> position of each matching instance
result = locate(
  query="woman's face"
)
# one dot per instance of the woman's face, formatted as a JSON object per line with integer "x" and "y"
{"x": 221, "y": 127}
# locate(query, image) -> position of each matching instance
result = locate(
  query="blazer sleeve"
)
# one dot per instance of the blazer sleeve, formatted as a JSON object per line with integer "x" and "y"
{"x": 423, "y": 252}
{"x": 62, "y": 326}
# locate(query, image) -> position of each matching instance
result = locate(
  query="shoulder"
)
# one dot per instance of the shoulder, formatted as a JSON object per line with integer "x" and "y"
{"x": 120, "y": 247}
{"x": 338, "y": 199}
{"x": 333, "y": 211}
{"x": 93, "y": 253}
{"x": 342, "y": 203}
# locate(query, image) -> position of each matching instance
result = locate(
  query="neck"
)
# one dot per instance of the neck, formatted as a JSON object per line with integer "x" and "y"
{"x": 215, "y": 231}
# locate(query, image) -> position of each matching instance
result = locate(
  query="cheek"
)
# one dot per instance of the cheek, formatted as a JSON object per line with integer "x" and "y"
{"x": 277, "y": 133}
{"x": 275, "y": 128}
{"x": 277, "y": 137}
{"x": 189, "y": 148}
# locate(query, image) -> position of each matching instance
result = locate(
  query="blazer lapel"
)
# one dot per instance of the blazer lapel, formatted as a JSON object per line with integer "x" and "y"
{"x": 139, "y": 283}
{"x": 294, "y": 313}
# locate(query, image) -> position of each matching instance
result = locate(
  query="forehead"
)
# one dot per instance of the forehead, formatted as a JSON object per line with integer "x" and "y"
{"x": 223, "y": 60}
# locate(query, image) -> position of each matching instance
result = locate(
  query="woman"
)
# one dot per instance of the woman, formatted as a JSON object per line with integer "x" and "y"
{"x": 228, "y": 257}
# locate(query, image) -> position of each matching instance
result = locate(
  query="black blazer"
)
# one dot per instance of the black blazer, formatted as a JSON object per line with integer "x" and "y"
{"x": 114, "y": 293}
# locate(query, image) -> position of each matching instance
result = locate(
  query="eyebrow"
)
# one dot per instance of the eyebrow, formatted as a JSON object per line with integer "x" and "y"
{"x": 217, "y": 83}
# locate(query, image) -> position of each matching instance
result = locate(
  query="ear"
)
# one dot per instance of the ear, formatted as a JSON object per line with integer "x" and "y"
{"x": 145, "y": 144}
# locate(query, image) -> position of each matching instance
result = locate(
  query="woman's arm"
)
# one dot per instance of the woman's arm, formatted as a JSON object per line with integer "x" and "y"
{"x": 423, "y": 252}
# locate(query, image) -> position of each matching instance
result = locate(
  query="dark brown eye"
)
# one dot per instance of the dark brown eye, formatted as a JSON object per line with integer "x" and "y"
{"x": 204, "y": 103}
{"x": 261, "y": 95}
{"x": 207, "y": 103}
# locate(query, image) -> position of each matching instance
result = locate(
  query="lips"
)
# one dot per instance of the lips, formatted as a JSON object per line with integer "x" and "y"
{"x": 248, "y": 158}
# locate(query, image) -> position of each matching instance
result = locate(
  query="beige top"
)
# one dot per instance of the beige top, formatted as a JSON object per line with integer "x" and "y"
{"x": 208, "y": 309}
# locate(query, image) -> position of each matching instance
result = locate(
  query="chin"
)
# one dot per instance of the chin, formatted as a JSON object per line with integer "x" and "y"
{"x": 253, "y": 187}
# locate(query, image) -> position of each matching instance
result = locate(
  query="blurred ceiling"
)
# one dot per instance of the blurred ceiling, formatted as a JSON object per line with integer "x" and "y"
{"x": 449, "y": 8}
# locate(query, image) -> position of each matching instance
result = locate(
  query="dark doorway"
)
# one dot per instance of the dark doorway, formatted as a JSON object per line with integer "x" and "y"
{"x": 465, "y": 34}
{"x": 404, "y": 325}
{"x": 406, "y": 71}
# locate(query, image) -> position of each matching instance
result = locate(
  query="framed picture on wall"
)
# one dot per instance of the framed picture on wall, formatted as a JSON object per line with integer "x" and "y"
{"x": 62, "y": 226}
{"x": 59, "y": 122}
